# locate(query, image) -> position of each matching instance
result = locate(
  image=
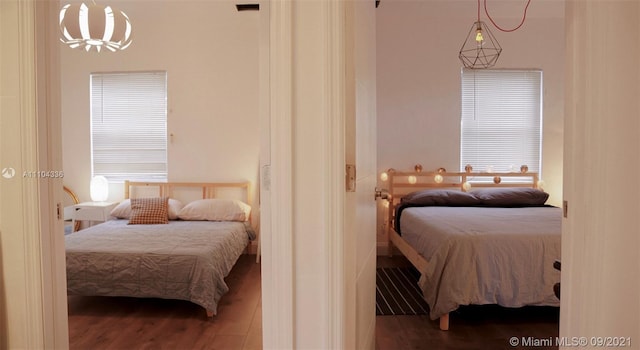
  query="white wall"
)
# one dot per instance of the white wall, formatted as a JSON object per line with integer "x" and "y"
{"x": 418, "y": 79}
{"x": 210, "y": 53}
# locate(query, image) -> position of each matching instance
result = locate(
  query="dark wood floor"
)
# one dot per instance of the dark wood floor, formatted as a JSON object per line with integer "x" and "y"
{"x": 472, "y": 327}
{"x": 128, "y": 323}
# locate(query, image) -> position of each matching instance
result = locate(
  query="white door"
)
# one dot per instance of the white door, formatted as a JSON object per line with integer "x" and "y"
{"x": 600, "y": 234}
{"x": 360, "y": 225}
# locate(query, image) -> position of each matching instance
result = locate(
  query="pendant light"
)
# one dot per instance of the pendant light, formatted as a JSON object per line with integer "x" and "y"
{"x": 481, "y": 48}
{"x": 88, "y": 26}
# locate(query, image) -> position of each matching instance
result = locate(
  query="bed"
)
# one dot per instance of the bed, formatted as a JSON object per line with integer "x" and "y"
{"x": 186, "y": 258}
{"x": 476, "y": 238}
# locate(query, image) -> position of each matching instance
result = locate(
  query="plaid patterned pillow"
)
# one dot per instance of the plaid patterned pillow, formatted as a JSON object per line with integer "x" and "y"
{"x": 148, "y": 211}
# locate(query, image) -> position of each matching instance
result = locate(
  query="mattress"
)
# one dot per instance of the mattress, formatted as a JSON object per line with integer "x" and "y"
{"x": 186, "y": 260}
{"x": 485, "y": 255}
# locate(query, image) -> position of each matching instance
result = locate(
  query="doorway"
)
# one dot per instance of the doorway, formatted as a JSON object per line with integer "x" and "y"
{"x": 332, "y": 258}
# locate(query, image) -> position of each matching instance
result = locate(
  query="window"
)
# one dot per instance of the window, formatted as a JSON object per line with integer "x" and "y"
{"x": 501, "y": 119}
{"x": 129, "y": 125}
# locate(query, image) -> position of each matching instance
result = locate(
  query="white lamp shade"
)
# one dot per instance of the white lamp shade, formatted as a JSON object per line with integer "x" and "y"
{"x": 99, "y": 189}
{"x": 86, "y": 26}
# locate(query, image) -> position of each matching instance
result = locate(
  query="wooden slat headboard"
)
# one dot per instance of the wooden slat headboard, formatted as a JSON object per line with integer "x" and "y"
{"x": 402, "y": 183}
{"x": 206, "y": 189}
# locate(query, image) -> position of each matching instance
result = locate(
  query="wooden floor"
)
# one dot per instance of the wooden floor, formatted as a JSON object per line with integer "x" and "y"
{"x": 472, "y": 327}
{"x": 129, "y": 323}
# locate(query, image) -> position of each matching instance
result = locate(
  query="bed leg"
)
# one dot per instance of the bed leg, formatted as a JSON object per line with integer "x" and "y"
{"x": 209, "y": 313}
{"x": 444, "y": 322}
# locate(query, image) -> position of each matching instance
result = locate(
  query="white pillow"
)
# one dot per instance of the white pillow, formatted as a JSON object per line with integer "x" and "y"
{"x": 123, "y": 210}
{"x": 214, "y": 209}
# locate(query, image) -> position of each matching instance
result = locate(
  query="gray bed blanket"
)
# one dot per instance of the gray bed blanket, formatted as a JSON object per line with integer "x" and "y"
{"x": 186, "y": 260}
{"x": 480, "y": 255}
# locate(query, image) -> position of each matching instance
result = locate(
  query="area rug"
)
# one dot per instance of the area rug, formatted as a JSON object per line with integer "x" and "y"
{"x": 397, "y": 292}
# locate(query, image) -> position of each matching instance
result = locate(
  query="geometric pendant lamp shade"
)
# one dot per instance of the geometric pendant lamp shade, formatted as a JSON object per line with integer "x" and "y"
{"x": 480, "y": 49}
{"x": 88, "y": 26}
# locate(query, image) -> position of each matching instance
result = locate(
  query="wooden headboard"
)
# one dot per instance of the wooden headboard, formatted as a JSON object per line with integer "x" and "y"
{"x": 181, "y": 190}
{"x": 400, "y": 183}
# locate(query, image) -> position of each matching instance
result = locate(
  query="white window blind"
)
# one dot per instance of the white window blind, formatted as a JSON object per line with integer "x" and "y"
{"x": 501, "y": 119}
{"x": 129, "y": 125}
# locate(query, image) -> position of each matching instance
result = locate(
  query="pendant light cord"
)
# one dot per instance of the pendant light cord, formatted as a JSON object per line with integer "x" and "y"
{"x": 524, "y": 16}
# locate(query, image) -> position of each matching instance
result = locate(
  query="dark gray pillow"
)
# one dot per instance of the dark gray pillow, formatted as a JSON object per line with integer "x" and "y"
{"x": 451, "y": 198}
{"x": 511, "y": 197}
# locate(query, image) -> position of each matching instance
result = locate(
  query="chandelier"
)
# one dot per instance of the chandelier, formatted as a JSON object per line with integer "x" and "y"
{"x": 89, "y": 26}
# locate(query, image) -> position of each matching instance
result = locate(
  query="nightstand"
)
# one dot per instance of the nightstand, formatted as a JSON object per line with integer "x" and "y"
{"x": 92, "y": 212}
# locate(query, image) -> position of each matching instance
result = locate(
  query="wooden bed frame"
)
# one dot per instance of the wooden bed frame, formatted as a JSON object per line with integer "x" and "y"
{"x": 402, "y": 183}
{"x": 207, "y": 190}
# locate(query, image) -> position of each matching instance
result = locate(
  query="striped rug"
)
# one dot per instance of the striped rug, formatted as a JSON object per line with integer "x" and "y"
{"x": 397, "y": 292}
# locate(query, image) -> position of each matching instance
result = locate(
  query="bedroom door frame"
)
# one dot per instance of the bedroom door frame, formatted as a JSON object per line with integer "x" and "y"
{"x": 275, "y": 243}
{"x": 279, "y": 324}
{"x": 311, "y": 271}
{"x": 40, "y": 319}
{"x": 32, "y": 265}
